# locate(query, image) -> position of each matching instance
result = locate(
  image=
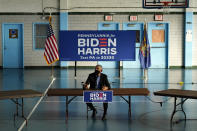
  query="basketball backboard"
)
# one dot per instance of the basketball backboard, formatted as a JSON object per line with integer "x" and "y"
{"x": 165, "y": 3}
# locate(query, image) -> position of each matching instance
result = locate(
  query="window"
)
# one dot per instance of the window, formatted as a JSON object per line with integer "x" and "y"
{"x": 137, "y": 36}
{"x": 39, "y": 35}
{"x": 158, "y": 36}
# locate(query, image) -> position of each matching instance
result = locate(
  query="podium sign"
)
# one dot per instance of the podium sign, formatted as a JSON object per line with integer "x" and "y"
{"x": 97, "y": 96}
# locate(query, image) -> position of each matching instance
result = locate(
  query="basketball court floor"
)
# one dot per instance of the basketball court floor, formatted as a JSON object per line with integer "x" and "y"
{"x": 147, "y": 115}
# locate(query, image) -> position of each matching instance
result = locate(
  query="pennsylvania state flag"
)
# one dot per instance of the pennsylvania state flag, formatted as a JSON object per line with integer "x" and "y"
{"x": 144, "y": 51}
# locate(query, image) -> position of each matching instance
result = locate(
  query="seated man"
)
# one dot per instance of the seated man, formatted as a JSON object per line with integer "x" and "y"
{"x": 97, "y": 81}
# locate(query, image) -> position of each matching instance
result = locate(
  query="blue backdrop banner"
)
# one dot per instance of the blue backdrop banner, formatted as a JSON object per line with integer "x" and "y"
{"x": 97, "y": 45}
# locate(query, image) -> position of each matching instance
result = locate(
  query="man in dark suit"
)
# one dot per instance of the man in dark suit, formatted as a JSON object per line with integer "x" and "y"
{"x": 97, "y": 81}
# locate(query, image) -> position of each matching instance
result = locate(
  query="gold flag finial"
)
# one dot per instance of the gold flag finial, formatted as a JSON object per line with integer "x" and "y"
{"x": 50, "y": 19}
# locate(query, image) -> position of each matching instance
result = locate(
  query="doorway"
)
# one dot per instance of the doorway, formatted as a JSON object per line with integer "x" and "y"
{"x": 13, "y": 41}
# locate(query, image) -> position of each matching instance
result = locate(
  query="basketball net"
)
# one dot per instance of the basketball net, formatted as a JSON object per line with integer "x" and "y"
{"x": 166, "y": 7}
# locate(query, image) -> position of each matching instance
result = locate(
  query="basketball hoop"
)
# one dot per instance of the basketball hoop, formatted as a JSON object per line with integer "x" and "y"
{"x": 166, "y": 6}
{"x": 159, "y": 4}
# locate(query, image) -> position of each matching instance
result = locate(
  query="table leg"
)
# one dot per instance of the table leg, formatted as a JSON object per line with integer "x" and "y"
{"x": 22, "y": 108}
{"x": 129, "y": 107}
{"x": 22, "y": 111}
{"x": 87, "y": 111}
{"x": 67, "y": 108}
{"x": 16, "y": 114}
{"x": 17, "y": 106}
{"x": 129, "y": 103}
{"x": 182, "y": 102}
{"x": 67, "y": 103}
{"x": 16, "y": 102}
{"x": 174, "y": 111}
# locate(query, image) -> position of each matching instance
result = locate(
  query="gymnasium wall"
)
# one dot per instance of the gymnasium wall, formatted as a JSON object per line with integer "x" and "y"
{"x": 85, "y": 15}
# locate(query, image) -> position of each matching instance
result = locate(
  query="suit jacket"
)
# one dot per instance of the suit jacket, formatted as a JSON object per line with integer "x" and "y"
{"x": 92, "y": 80}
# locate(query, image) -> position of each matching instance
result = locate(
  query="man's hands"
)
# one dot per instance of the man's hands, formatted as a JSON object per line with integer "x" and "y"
{"x": 105, "y": 88}
{"x": 85, "y": 86}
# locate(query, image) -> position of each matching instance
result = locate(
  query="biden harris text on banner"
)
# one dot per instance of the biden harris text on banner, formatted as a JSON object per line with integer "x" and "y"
{"x": 97, "y": 45}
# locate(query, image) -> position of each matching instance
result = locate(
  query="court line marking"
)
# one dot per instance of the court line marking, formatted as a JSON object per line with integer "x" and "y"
{"x": 72, "y": 101}
{"x": 82, "y": 101}
{"x": 36, "y": 105}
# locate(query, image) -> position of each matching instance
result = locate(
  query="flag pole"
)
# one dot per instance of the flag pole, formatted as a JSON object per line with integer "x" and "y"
{"x": 145, "y": 78}
{"x": 75, "y": 69}
{"x": 145, "y": 75}
{"x": 52, "y": 71}
{"x": 145, "y": 69}
{"x": 50, "y": 19}
{"x": 51, "y": 54}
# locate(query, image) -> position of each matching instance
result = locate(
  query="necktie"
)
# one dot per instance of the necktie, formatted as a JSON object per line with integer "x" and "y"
{"x": 97, "y": 82}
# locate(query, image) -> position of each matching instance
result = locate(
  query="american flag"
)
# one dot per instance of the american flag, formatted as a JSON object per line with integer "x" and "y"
{"x": 51, "y": 50}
